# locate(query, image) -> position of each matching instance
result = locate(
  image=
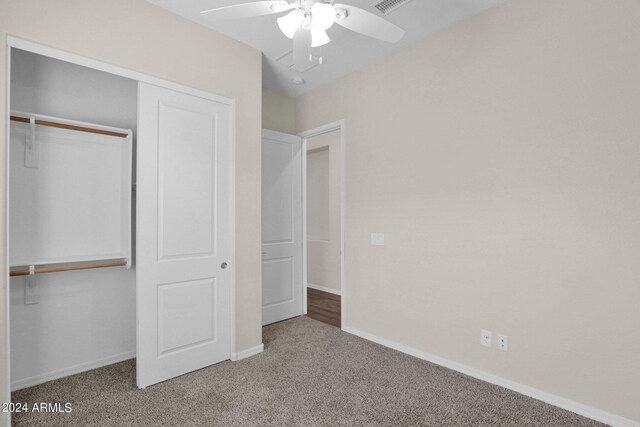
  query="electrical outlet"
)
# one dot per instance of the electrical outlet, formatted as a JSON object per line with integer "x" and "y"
{"x": 485, "y": 338}
{"x": 503, "y": 342}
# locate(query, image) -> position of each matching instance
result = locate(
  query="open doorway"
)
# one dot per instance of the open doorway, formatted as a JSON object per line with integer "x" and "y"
{"x": 303, "y": 193}
{"x": 324, "y": 224}
{"x": 323, "y": 227}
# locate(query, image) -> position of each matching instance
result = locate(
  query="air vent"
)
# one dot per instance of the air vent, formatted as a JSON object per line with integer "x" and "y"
{"x": 387, "y": 6}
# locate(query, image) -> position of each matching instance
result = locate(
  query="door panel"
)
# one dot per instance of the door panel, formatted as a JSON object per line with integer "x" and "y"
{"x": 280, "y": 271}
{"x": 282, "y": 281}
{"x": 277, "y": 181}
{"x": 199, "y": 296}
{"x": 183, "y": 293}
{"x": 186, "y": 138}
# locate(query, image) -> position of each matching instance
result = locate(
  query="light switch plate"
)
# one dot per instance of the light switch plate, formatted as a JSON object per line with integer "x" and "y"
{"x": 377, "y": 239}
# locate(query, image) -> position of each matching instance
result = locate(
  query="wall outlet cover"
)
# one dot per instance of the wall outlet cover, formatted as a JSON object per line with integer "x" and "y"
{"x": 503, "y": 342}
{"x": 485, "y": 338}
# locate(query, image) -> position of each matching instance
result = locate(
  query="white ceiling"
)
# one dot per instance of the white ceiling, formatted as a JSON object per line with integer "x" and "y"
{"x": 347, "y": 51}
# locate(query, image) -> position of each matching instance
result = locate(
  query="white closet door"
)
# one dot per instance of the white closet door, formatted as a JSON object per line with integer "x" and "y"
{"x": 183, "y": 240}
{"x": 282, "y": 282}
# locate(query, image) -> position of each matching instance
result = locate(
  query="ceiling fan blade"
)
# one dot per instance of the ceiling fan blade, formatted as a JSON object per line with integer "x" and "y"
{"x": 367, "y": 23}
{"x": 301, "y": 46}
{"x": 248, "y": 10}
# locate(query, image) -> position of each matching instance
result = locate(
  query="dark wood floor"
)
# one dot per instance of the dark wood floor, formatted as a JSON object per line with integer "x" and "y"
{"x": 323, "y": 306}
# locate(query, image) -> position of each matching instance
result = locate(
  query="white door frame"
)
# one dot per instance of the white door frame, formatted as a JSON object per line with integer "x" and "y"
{"x": 329, "y": 127}
{"x": 18, "y": 43}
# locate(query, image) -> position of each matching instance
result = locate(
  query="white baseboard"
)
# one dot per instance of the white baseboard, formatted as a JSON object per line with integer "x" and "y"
{"x": 552, "y": 399}
{"x": 247, "y": 353}
{"x": 72, "y": 370}
{"x": 324, "y": 289}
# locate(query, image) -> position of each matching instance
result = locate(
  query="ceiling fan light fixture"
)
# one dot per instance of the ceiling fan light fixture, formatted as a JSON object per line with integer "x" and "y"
{"x": 290, "y": 23}
{"x": 324, "y": 15}
{"x": 319, "y": 37}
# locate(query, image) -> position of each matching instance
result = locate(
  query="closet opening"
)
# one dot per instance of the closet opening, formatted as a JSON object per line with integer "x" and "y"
{"x": 72, "y": 135}
{"x": 120, "y": 224}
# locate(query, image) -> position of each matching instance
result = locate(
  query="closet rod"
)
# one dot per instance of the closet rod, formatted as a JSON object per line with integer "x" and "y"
{"x": 70, "y": 127}
{"x": 68, "y": 268}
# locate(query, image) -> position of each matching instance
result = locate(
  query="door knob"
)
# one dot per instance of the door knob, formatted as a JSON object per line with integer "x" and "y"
{"x": 224, "y": 265}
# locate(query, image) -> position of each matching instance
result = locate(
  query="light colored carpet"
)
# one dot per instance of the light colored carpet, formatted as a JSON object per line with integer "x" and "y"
{"x": 311, "y": 374}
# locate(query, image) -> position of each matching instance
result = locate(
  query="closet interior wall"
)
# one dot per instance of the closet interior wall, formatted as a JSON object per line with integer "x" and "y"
{"x": 84, "y": 319}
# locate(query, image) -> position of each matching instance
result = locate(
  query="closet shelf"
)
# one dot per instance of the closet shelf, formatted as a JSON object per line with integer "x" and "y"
{"x": 39, "y": 270}
{"x": 69, "y": 127}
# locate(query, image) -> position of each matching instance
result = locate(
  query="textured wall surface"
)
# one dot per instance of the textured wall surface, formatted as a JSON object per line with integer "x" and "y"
{"x": 278, "y": 112}
{"x": 501, "y": 158}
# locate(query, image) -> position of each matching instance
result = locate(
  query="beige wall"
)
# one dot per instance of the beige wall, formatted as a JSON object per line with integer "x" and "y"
{"x": 501, "y": 158}
{"x": 139, "y": 36}
{"x": 278, "y": 112}
{"x": 323, "y": 210}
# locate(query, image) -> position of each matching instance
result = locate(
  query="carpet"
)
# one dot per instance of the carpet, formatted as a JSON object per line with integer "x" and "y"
{"x": 310, "y": 374}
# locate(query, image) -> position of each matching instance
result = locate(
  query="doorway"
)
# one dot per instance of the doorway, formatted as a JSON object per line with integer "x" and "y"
{"x": 323, "y": 219}
{"x": 303, "y": 233}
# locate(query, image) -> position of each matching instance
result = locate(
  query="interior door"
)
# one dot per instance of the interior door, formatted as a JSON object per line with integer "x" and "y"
{"x": 183, "y": 239}
{"x": 282, "y": 281}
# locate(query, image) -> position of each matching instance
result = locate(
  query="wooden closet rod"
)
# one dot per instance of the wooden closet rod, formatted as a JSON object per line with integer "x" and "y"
{"x": 68, "y": 268}
{"x": 70, "y": 127}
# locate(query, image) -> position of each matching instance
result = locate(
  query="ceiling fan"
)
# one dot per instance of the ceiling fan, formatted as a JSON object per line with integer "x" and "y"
{"x": 307, "y": 22}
